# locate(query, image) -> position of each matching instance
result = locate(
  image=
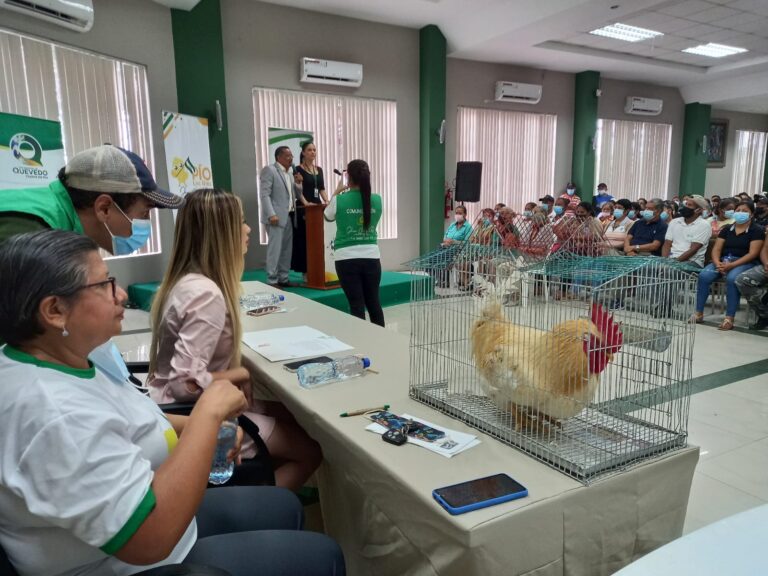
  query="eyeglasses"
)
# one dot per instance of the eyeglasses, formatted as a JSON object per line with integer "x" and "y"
{"x": 110, "y": 280}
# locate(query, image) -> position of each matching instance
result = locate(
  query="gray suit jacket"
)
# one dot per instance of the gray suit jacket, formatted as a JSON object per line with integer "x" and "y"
{"x": 274, "y": 195}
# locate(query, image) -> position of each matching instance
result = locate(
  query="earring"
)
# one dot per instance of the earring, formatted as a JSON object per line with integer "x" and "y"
{"x": 65, "y": 332}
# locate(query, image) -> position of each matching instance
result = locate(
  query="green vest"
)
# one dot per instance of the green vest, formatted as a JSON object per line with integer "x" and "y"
{"x": 52, "y": 205}
{"x": 349, "y": 220}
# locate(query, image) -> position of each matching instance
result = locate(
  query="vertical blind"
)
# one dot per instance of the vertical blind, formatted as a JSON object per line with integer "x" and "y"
{"x": 749, "y": 162}
{"x": 517, "y": 150}
{"x": 632, "y": 158}
{"x": 97, "y": 99}
{"x": 344, "y": 128}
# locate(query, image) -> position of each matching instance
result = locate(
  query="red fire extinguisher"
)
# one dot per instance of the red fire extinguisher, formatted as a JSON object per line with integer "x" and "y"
{"x": 448, "y": 202}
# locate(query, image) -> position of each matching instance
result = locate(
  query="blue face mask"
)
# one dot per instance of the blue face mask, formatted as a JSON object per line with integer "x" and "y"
{"x": 705, "y": 214}
{"x": 140, "y": 231}
{"x": 728, "y": 214}
{"x": 486, "y": 221}
{"x": 664, "y": 216}
{"x": 558, "y": 210}
{"x": 544, "y": 206}
{"x": 527, "y": 213}
{"x": 647, "y": 214}
{"x": 741, "y": 217}
{"x": 631, "y": 215}
{"x": 618, "y": 213}
{"x": 570, "y": 191}
{"x": 107, "y": 358}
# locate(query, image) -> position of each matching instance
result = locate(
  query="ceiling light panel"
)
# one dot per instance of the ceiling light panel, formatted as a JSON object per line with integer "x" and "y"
{"x": 626, "y": 33}
{"x": 714, "y": 50}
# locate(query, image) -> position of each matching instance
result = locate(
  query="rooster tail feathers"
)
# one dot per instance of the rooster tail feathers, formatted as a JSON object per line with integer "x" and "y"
{"x": 492, "y": 311}
{"x": 612, "y": 337}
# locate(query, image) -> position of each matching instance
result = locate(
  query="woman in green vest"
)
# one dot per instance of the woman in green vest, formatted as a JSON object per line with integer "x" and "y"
{"x": 356, "y": 251}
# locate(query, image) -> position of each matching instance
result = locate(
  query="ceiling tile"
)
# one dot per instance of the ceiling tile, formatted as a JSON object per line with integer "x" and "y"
{"x": 735, "y": 20}
{"x": 670, "y": 24}
{"x": 750, "y": 42}
{"x": 757, "y": 25}
{"x": 756, "y": 6}
{"x": 713, "y": 14}
{"x": 670, "y": 42}
{"x": 697, "y": 31}
{"x": 685, "y": 8}
{"x": 719, "y": 37}
{"x": 647, "y": 20}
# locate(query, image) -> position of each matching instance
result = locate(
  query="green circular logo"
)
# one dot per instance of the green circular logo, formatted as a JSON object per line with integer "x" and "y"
{"x": 26, "y": 149}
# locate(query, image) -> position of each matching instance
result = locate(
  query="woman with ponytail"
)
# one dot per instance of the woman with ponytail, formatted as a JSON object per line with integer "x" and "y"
{"x": 357, "y": 213}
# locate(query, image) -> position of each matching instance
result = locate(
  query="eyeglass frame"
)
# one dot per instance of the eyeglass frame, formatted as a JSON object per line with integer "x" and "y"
{"x": 111, "y": 280}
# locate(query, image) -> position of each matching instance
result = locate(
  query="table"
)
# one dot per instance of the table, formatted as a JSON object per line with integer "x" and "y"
{"x": 732, "y": 546}
{"x": 377, "y": 498}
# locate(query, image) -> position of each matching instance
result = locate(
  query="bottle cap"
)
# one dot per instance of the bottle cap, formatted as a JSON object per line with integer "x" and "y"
{"x": 366, "y": 362}
{"x": 280, "y": 297}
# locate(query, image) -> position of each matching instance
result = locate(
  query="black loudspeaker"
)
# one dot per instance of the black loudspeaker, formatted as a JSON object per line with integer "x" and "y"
{"x": 468, "y": 177}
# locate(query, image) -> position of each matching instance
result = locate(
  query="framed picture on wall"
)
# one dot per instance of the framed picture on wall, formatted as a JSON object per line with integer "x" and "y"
{"x": 717, "y": 140}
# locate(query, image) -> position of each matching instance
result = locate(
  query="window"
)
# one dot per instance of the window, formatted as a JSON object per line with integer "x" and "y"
{"x": 633, "y": 158}
{"x": 749, "y": 162}
{"x": 517, "y": 150}
{"x": 344, "y": 128}
{"x": 97, "y": 99}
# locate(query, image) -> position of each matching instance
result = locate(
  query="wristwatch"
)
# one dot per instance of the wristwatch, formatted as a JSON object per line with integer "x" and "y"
{"x": 637, "y": 247}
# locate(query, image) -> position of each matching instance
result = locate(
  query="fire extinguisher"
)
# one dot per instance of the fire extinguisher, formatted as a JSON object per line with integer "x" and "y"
{"x": 448, "y": 202}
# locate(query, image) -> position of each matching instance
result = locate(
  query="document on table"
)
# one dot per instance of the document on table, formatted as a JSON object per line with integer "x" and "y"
{"x": 454, "y": 442}
{"x": 292, "y": 343}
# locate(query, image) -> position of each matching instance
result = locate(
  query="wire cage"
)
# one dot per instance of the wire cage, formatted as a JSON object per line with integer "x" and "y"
{"x": 587, "y": 367}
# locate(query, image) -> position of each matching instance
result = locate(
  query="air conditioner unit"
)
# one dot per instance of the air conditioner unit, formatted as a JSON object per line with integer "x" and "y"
{"x": 315, "y": 71}
{"x": 73, "y": 14}
{"x": 643, "y": 106}
{"x": 518, "y": 92}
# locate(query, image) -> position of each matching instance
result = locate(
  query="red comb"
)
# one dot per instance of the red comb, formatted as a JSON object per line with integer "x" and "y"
{"x": 611, "y": 333}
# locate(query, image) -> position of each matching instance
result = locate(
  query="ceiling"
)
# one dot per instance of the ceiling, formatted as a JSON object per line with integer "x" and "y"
{"x": 554, "y": 35}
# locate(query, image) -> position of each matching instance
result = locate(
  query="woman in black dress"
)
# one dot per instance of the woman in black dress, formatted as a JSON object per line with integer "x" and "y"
{"x": 313, "y": 191}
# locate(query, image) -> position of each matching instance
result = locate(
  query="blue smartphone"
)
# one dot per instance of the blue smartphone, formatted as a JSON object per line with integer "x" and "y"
{"x": 480, "y": 493}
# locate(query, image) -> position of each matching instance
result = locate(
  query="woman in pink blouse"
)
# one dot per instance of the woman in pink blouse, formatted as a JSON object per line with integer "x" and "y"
{"x": 196, "y": 329}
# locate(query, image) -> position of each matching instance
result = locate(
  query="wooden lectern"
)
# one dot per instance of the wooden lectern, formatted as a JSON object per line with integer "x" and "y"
{"x": 316, "y": 248}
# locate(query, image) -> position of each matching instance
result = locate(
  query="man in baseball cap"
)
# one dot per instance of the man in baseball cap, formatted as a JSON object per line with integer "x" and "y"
{"x": 104, "y": 192}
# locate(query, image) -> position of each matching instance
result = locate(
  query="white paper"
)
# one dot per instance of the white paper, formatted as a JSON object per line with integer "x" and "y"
{"x": 460, "y": 440}
{"x": 292, "y": 343}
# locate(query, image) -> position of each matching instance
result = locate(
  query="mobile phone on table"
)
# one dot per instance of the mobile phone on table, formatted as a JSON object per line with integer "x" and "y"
{"x": 479, "y": 493}
{"x": 415, "y": 429}
{"x": 294, "y": 366}
{"x": 263, "y": 310}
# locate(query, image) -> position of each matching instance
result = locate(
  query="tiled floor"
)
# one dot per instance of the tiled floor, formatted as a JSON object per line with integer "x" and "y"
{"x": 729, "y": 423}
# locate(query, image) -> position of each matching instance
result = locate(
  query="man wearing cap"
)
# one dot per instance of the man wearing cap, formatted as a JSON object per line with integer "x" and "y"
{"x": 687, "y": 237}
{"x": 105, "y": 193}
{"x": 546, "y": 203}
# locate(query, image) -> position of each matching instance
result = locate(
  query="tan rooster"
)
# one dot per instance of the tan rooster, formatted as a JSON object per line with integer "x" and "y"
{"x": 543, "y": 376}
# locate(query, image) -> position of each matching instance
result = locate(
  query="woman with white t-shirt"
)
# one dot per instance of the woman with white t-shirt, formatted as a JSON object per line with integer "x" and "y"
{"x": 94, "y": 478}
{"x": 617, "y": 229}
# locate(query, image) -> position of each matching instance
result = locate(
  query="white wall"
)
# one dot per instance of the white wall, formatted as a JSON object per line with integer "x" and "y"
{"x": 719, "y": 179}
{"x": 138, "y": 31}
{"x": 611, "y": 106}
{"x": 262, "y": 47}
{"x": 473, "y": 84}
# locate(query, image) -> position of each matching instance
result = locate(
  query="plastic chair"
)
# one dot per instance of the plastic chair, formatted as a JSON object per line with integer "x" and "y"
{"x": 256, "y": 471}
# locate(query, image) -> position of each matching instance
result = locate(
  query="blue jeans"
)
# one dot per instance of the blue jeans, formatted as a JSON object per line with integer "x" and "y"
{"x": 708, "y": 275}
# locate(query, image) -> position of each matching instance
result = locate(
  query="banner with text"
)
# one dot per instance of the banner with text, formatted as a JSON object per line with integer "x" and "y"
{"x": 31, "y": 151}
{"x": 294, "y": 139}
{"x": 187, "y": 153}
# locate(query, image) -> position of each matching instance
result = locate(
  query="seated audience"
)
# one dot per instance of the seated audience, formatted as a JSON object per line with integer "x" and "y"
{"x": 670, "y": 211}
{"x": 647, "y": 235}
{"x": 528, "y": 210}
{"x": 753, "y": 285}
{"x": 560, "y": 210}
{"x": 641, "y": 202}
{"x": 634, "y": 213}
{"x": 736, "y": 249}
{"x": 505, "y": 226}
{"x": 761, "y": 211}
{"x": 602, "y": 196}
{"x": 687, "y": 237}
{"x": 605, "y": 215}
{"x": 483, "y": 231}
{"x": 196, "y": 328}
{"x": 723, "y": 215}
{"x": 547, "y": 203}
{"x": 460, "y": 229}
{"x": 715, "y": 201}
{"x": 95, "y": 478}
{"x": 570, "y": 195}
{"x": 616, "y": 229}
{"x": 537, "y": 237}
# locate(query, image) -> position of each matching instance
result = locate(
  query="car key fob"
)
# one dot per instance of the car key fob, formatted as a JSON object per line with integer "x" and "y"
{"x": 395, "y": 436}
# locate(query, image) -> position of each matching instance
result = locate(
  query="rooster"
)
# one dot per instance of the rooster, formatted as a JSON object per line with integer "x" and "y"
{"x": 543, "y": 376}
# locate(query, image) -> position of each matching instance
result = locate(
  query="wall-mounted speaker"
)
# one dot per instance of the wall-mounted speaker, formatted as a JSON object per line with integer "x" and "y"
{"x": 468, "y": 179}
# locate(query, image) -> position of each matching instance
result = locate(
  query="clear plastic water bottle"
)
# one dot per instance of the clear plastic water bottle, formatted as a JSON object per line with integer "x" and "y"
{"x": 317, "y": 374}
{"x": 260, "y": 299}
{"x": 221, "y": 470}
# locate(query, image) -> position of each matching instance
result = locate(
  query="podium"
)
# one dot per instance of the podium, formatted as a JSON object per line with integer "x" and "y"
{"x": 316, "y": 248}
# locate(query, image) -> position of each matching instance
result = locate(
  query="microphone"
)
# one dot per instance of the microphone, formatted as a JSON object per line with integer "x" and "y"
{"x": 337, "y": 172}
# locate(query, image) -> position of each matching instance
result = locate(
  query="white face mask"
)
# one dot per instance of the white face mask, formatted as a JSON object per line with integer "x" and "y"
{"x": 459, "y": 217}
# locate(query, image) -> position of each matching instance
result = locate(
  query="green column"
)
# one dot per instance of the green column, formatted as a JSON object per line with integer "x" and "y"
{"x": 199, "y": 54}
{"x": 693, "y": 163}
{"x": 584, "y": 132}
{"x": 432, "y": 65}
{"x": 765, "y": 174}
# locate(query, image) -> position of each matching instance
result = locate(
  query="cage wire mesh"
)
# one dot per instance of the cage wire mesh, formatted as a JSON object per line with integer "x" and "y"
{"x": 579, "y": 357}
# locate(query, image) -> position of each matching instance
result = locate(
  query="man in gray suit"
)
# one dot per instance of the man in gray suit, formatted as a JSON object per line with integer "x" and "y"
{"x": 279, "y": 191}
